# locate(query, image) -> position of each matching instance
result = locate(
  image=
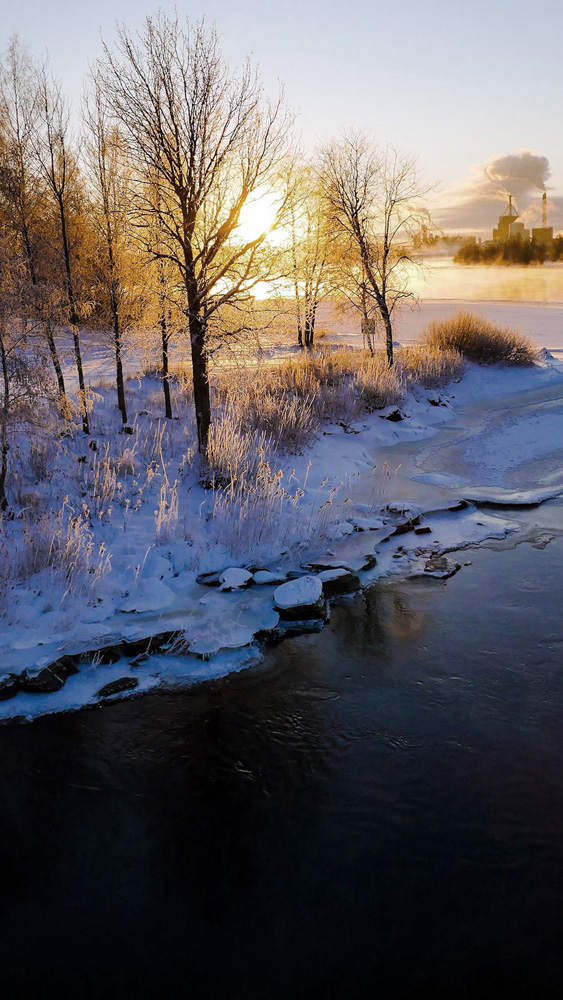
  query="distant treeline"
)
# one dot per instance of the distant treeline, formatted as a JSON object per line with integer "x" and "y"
{"x": 511, "y": 251}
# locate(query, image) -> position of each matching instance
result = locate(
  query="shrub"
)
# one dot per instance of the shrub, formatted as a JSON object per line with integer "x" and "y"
{"x": 477, "y": 339}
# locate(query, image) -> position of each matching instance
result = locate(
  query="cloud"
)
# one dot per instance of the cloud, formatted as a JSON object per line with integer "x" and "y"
{"x": 474, "y": 204}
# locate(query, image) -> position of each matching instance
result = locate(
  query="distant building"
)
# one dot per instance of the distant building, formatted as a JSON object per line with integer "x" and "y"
{"x": 518, "y": 230}
{"x": 543, "y": 235}
{"x": 508, "y": 226}
{"x": 506, "y": 220}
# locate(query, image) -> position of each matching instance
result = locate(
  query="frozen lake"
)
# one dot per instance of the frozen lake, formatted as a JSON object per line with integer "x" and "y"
{"x": 528, "y": 298}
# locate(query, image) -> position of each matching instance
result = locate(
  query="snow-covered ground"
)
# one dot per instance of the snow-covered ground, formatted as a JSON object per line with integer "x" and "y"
{"x": 541, "y": 321}
{"x": 378, "y": 498}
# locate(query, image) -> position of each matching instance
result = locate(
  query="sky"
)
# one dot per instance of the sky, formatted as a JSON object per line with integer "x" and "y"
{"x": 455, "y": 84}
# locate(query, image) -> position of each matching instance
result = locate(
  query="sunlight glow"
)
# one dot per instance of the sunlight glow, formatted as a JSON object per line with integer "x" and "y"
{"x": 258, "y": 216}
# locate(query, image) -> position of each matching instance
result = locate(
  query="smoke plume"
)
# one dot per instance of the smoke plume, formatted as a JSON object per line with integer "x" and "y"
{"x": 518, "y": 171}
{"x": 472, "y": 205}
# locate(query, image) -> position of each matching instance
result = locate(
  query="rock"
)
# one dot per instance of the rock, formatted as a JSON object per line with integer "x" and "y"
{"x": 235, "y": 579}
{"x": 369, "y": 562}
{"x": 394, "y": 416}
{"x": 441, "y": 567}
{"x": 42, "y": 681}
{"x": 405, "y": 524}
{"x": 422, "y": 529}
{"x": 321, "y": 567}
{"x": 458, "y": 505}
{"x": 404, "y": 507}
{"x": 209, "y": 579}
{"x": 148, "y": 644}
{"x": 116, "y": 687}
{"x": 339, "y": 581}
{"x": 9, "y": 686}
{"x": 297, "y": 574}
{"x": 264, "y": 576}
{"x": 64, "y": 667}
{"x": 104, "y": 656}
{"x": 300, "y": 599}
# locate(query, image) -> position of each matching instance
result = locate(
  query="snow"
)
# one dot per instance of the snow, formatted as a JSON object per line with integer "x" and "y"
{"x": 234, "y": 578}
{"x": 304, "y": 591}
{"x": 499, "y": 439}
{"x": 332, "y": 574}
{"x": 265, "y": 576}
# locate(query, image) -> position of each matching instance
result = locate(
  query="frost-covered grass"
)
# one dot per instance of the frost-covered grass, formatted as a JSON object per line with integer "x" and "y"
{"x": 477, "y": 339}
{"x": 286, "y": 404}
{"x": 86, "y": 509}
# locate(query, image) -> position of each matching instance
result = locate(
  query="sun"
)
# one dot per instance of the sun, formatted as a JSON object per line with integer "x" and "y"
{"x": 257, "y": 217}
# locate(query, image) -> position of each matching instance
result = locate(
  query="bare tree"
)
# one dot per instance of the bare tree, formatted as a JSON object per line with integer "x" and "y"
{"x": 22, "y": 377}
{"x": 60, "y": 171}
{"x": 374, "y": 197}
{"x": 212, "y": 141}
{"x": 313, "y": 249}
{"x": 21, "y": 195}
{"x": 110, "y": 192}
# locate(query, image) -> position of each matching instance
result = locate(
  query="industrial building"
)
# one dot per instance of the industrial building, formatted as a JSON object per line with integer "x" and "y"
{"x": 508, "y": 227}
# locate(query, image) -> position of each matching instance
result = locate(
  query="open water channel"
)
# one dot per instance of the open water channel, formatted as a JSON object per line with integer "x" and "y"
{"x": 374, "y": 812}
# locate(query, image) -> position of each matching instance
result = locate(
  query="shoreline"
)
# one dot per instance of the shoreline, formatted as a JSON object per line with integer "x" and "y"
{"x": 219, "y": 629}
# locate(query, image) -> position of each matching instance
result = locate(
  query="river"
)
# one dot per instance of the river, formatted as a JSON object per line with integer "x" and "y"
{"x": 375, "y": 811}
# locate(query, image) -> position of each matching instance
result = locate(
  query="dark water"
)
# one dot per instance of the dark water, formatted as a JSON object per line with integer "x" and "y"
{"x": 375, "y": 813}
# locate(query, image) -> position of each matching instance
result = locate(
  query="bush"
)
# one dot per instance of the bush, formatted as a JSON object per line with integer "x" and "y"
{"x": 477, "y": 339}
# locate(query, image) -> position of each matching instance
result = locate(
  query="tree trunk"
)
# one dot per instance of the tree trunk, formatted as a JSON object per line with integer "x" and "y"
{"x": 202, "y": 394}
{"x": 165, "y": 339}
{"x": 50, "y": 338}
{"x": 309, "y": 332}
{"x": 385, "y": 315}
{"x": 4, "y": 428}
{"x": 57, "y": 366}
{"x": 73, "y": 318}
{"x": 121, "y": 401}
{"x": 3, "y": 465}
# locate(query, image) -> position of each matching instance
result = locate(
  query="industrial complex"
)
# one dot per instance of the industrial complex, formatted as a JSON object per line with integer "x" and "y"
{"x": 509, "y": 228}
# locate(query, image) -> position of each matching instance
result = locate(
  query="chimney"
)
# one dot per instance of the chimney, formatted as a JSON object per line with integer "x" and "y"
{"x": 544, "y": 210}
{"x": 510, "y": 204}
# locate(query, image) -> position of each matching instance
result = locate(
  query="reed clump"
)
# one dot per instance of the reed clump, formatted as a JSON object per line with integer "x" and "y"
{"x": 480, "y": 340}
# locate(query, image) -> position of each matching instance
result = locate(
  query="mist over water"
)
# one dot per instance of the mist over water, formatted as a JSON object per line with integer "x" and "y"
{"x": 442, "y": 279}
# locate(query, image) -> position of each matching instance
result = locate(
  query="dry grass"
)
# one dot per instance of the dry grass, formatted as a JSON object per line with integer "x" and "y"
{"x": 477, "y": 339}
{"x": 282, "y": 407}
{"x": 63, "y": 542}
{"x": 428, "y": 367}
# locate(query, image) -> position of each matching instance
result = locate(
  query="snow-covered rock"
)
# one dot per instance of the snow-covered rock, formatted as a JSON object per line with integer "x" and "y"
{"x": 264, "y": 576}
{"x": 235, "y": 579}
{"x": 300, "y": 599}
{"x": 403, "y": 507}
{"x": 148, "y": 595}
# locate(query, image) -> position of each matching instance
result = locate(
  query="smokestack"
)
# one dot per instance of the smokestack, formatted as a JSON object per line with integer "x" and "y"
{"x": 510, "y": 204}
{"x": 544, "y": 210}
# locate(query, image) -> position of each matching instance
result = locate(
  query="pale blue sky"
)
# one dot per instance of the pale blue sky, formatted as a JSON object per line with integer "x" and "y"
{"x": 452, "y": 83}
